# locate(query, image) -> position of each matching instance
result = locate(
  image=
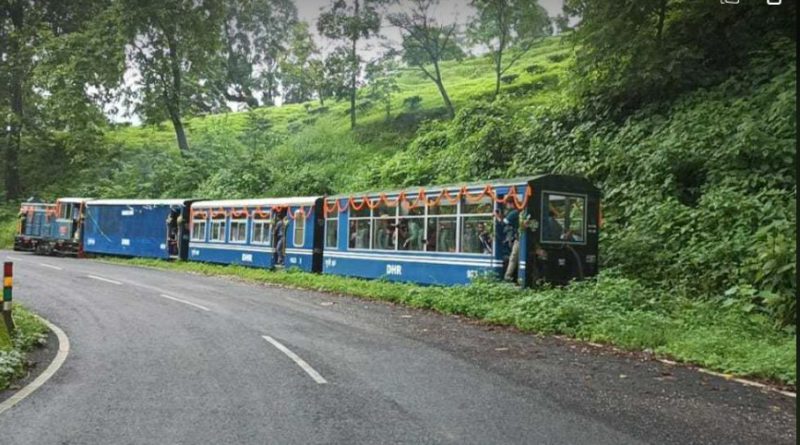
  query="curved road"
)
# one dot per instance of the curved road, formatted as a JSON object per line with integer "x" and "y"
{"x": 164, "y": 357}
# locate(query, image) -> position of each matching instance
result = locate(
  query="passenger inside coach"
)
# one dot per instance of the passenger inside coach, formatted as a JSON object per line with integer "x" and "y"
{"x": 415, "y": 239}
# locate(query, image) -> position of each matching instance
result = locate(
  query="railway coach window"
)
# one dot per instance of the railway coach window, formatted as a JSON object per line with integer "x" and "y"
{"x": 360, "y": 228}
{"x": 238, "y": 231}
{"x": 198, "y": 229}
{"x": 442, "y": 227}
{"x": 218, "y": 229}
{"x": 564, "y": 218}
{"x": 332, "y": 232}
{"x": 384, "y": 224}
{"x": 477, "y": 232}
{"x": 299, "y": 228}
{"x": 262, "y": 230}
{"x": 65, "y": 211}
{"x": 411, "y": 228}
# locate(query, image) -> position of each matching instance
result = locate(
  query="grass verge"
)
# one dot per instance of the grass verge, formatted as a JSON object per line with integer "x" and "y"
{"x": 30, "y": 332}
{"x": 610, "y": 309}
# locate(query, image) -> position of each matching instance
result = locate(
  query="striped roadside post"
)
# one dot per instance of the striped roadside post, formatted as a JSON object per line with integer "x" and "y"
{"x": 8, "y": 283}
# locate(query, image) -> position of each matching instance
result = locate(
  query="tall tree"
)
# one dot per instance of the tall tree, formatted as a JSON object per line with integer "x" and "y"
{"x": 351, "y": 21}
{"x": 174, "y": 45}
{"x": 50, "y": 79}
{"x": 381, "y": 79}
{"x": 254, "y": 32}
{"x": 338, "y": 75}
{"x": 319, "y": 79}
{"x": 500, "y": 25}
{"x": 297, "y": 69}
{"x": 427, "y": 43}
{"x": 19, "y": 64}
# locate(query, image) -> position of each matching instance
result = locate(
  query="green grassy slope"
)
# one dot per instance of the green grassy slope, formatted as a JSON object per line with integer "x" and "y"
{"x": 466, "y": 81}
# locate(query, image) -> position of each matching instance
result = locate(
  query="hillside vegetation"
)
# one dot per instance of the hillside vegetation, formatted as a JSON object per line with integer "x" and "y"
{"x": 699, "y": 189}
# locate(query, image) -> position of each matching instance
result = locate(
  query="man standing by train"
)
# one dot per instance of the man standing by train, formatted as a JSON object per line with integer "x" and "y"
{"x": 511, "y": 223}
{"x": 280, "y": 239}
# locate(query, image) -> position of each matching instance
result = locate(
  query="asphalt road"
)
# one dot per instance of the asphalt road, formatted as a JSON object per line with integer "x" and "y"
{"x": 164, "y": 357}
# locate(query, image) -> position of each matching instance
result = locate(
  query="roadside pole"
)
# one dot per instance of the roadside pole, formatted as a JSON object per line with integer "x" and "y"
{"x": 8, "y": 282}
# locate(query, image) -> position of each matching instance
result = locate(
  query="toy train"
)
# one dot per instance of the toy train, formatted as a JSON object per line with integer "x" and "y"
{"x": 444, "y": 235}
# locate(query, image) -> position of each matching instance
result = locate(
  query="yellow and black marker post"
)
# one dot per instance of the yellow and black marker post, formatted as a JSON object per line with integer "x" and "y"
{"x": 8, "y": 284}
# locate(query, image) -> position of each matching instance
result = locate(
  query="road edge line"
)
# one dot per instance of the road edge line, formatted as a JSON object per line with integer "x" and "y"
{"x": 52, "y": 368}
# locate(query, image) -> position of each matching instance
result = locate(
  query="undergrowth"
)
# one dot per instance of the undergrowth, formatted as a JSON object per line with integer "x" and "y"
{"x": 30, "y": 332}
{"x": 610, "y": 309}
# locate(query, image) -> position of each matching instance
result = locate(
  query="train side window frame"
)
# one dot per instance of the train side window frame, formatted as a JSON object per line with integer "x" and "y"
{"x": 237, "y": 223}
{"x": 200, "y": 223}
{"x": 217, "y": 222}
{"x": 468, "y": 215}
{"x": 263, "y": 225}
{"x": 299, "y": 215}
{"x": 375, "y": 225}
{"x": 335, "y": 230}
{"x": 356, "y": 219}
{"x": 434, "y": 219}
{"x": 66, "y": 211}
{"x": 545, "y": 214}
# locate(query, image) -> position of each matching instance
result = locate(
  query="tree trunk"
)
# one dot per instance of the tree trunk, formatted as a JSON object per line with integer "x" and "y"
{"x": 174, "y": 99}
{"x": 180, "y": 134}
{"x": 14, "y": 142}
{"x": 662, "y": 13}
{"x": 498, "y": 68}
{"x": 451, "y": 112}
{"x": 354, "y": 74}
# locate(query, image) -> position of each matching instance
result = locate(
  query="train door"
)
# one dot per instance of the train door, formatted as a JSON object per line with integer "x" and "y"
{"x": 319, "y": 235}
{"x": 173, "y": 233}
{"x": 184, "y": 232}
{"x": 562, "y": 242}
{"x": 279, "y": 236}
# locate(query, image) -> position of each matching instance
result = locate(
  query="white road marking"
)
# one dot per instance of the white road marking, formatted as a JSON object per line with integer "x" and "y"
{"x": 95, "y": 277}
{"x": 300, "y": 362}
{"x": 186, "y": 302}
{"x": 61, "y": 355}
{"x": 13, "y": 258}
{"x": 50, "y": 266}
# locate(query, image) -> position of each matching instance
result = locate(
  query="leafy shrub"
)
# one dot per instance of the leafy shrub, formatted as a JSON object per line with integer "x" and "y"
{"x": 535, "y": 69}
{"x": 558, "y": 57}
{"x": 30, "y": 333}
{"x": 412, "y": 103}
{"x": 509, "y": 78}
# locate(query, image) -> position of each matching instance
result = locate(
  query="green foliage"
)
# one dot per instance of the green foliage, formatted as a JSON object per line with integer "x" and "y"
{"x": 8, "y": 225}
{"x": 30, "y": 332}
{"x": 635, "y": 52}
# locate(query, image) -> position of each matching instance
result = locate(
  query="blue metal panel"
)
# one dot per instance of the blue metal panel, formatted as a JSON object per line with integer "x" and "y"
{"x": 419, "y": 267}
{"x": 226, "y": 253}
{"x": 127, "y": 230}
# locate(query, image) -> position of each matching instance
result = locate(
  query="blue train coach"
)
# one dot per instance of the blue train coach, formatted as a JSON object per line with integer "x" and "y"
{"x": 150, "y": 228}
{"x": 452, "y": 234}
{"x": 270, "y": 232}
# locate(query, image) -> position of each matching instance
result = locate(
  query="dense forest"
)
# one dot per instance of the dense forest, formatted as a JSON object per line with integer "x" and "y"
{"x": 683, "y": 112}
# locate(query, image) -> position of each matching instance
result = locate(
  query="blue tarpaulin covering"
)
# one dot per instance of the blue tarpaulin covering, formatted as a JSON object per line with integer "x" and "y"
{"x": 129, "y": 227}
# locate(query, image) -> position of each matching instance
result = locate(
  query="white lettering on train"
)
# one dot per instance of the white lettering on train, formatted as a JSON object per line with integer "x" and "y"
{"x": 394, "y": 269}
